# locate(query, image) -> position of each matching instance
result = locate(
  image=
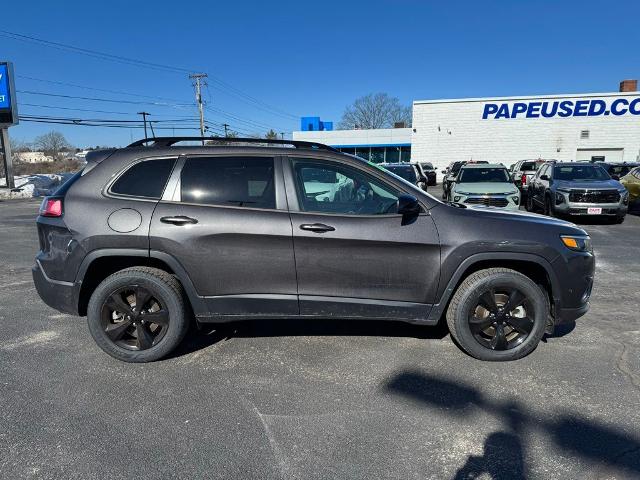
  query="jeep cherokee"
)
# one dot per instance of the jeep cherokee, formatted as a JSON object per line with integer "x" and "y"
{"x": 146, "y": 237}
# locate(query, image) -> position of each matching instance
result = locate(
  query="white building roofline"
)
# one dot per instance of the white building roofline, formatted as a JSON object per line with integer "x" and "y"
{"x": 526, "y": 97}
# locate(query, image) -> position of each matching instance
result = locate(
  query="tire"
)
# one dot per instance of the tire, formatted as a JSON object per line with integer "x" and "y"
{"x": 619, "y": 219}
{"x": 129, "y": 333}
{"x": 530, "y": 205}
{"x": 548, "y": 207}
{"x": 465, "y": 312}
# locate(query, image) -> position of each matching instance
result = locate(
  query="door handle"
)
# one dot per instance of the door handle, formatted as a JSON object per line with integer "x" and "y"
{"x": 317, "y": 227}
{"x": 178, "y": 220}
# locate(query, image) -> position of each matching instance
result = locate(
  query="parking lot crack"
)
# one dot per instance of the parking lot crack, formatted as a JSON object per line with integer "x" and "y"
{"x": 622, "y": 364}
{"x": 277, "y": 451}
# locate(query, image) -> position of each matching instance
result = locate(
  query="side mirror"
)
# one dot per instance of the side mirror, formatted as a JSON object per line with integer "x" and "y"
{"x": 615, "y": 177}
{"x": 544, "y": 177}
{"x": 409, "y": 208}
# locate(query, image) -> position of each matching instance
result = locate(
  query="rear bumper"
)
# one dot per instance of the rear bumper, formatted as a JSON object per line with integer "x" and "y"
{"x": 63, "y": 296}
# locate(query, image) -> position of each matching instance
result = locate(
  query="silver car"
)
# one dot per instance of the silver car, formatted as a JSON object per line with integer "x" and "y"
{"x": 576, "y": 188}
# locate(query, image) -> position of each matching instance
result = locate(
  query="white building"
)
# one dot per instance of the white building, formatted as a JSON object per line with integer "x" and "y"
{"x": 33, "y": 157}
{"x": 602, "y": 126}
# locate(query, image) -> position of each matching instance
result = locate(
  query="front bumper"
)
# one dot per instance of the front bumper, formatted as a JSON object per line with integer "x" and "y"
{"x": 63, "y": 296}
{"x": 575, "y": 275}
{"x": 505, "y": 202}
{"x": 568, "y": 207}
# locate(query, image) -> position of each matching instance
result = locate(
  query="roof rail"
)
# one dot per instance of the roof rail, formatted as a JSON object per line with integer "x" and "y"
{"x": 170, "y": 141}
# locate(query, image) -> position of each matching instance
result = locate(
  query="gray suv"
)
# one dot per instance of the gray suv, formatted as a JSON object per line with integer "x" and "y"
{"x": 576, "y": 188}
{"x": 148, "y": 238}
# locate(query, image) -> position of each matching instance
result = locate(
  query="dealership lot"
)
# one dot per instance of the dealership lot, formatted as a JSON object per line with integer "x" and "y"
{"x": 319, "y": 399}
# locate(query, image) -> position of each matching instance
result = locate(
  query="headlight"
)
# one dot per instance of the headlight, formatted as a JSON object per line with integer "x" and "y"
{"x": 559, "y": 198}
{"x": 625, "y": 197}
{"x": 577, "y": 243}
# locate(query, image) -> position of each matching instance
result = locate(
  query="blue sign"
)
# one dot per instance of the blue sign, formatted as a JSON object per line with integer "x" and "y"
{"x": 562, "y": 108}
{"x": 5, "y": 99}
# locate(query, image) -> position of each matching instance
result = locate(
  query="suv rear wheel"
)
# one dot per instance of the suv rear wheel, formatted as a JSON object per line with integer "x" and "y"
{"x": 498, "y": 314}
{"x": 138, "y": 314}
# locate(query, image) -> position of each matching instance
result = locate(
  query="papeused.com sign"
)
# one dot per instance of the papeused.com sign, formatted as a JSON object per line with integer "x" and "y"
{"x": 562, "y": 108}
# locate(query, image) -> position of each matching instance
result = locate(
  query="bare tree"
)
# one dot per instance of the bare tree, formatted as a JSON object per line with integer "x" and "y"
{"x": 376, "y": 110}
{"x": 52, "y": 144}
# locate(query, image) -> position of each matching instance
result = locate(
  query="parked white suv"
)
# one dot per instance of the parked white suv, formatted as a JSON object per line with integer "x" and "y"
{"x": 485, "y": 184}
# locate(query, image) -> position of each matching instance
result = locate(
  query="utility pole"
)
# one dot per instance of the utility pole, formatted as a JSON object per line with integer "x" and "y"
{"x": 282, "y": 135}
{"x": 226, "y": 126}
{"x": 198, "y": 80}
{"x": 8, "y": 159}
{"x": 144, "y": 118}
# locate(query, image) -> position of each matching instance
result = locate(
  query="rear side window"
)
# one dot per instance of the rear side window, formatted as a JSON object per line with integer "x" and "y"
{"x": 145, "y": 179}
{"x": 229, "y": 181}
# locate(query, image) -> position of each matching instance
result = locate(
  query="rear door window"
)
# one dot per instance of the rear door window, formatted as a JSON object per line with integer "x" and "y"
{"x": 145, "y": 179}
{"x": 229, "y": 181}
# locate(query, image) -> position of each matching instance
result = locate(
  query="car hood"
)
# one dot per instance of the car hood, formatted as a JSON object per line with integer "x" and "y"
{"x": 485, "y": 187}
{"x": 523, "y": 216}
{"x": 588, "y": 184}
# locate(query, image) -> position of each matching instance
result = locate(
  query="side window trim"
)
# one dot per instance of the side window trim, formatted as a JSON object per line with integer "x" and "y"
{"x": 172, "y": 189}
{"x": 109, "y": 193}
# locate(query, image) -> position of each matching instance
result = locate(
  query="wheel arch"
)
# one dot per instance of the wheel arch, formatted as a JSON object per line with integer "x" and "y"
{"x": 99, "y": 264}
{"x": 533, "y": 266}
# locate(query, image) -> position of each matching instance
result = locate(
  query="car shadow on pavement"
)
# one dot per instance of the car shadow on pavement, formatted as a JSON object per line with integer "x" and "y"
{"x": 210, "y": 334}
{"x": 562, "y": 330}
{"x": 504, "y": 452}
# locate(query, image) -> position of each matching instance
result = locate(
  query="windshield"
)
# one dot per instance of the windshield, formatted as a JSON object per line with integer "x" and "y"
{"x": 579, "y": 172}
{"x": 476, "y": 175}
{"x": 530, "y": 166}
{"x": 404, "y": 171}
{"x": 620, "y": 170}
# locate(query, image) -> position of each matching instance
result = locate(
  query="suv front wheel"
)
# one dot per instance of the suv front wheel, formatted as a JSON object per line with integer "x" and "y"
{"x": 498, "y": 314}
{"x": 138, "y": 314}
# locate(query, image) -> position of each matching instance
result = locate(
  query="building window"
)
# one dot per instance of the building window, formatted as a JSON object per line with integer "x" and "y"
{"x": 584, "y": 134}
{"x": 405, "y": 154}
{"x": 363, "y": 152}
{"x": 393, "y": 154}
{"x": 377, "y": 154}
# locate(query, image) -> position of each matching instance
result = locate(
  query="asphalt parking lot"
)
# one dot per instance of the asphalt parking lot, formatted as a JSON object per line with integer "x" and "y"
{"x": 319, "y": 400}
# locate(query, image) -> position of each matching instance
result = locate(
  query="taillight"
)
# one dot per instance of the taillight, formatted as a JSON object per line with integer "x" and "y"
{"x": 51, "y": 207}
{"x": 524, "y": 179}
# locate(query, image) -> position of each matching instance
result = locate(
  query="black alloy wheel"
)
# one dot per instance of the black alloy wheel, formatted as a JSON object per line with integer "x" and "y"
{"x": 502, "y": 319}
{"x": 133, "y": 318}
{"x": 498, "y": 314}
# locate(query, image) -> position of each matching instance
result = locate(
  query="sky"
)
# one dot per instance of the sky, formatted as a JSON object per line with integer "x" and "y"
{"x": 271, "y": 62}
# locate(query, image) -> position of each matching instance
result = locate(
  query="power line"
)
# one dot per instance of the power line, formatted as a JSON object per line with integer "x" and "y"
{"x": 96, "y": 123}
{"x": 92, "y": 53}
{"x": 222, "y": 85}
{"x": 94, "y": 99}
{"x": 104, "y": 90}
